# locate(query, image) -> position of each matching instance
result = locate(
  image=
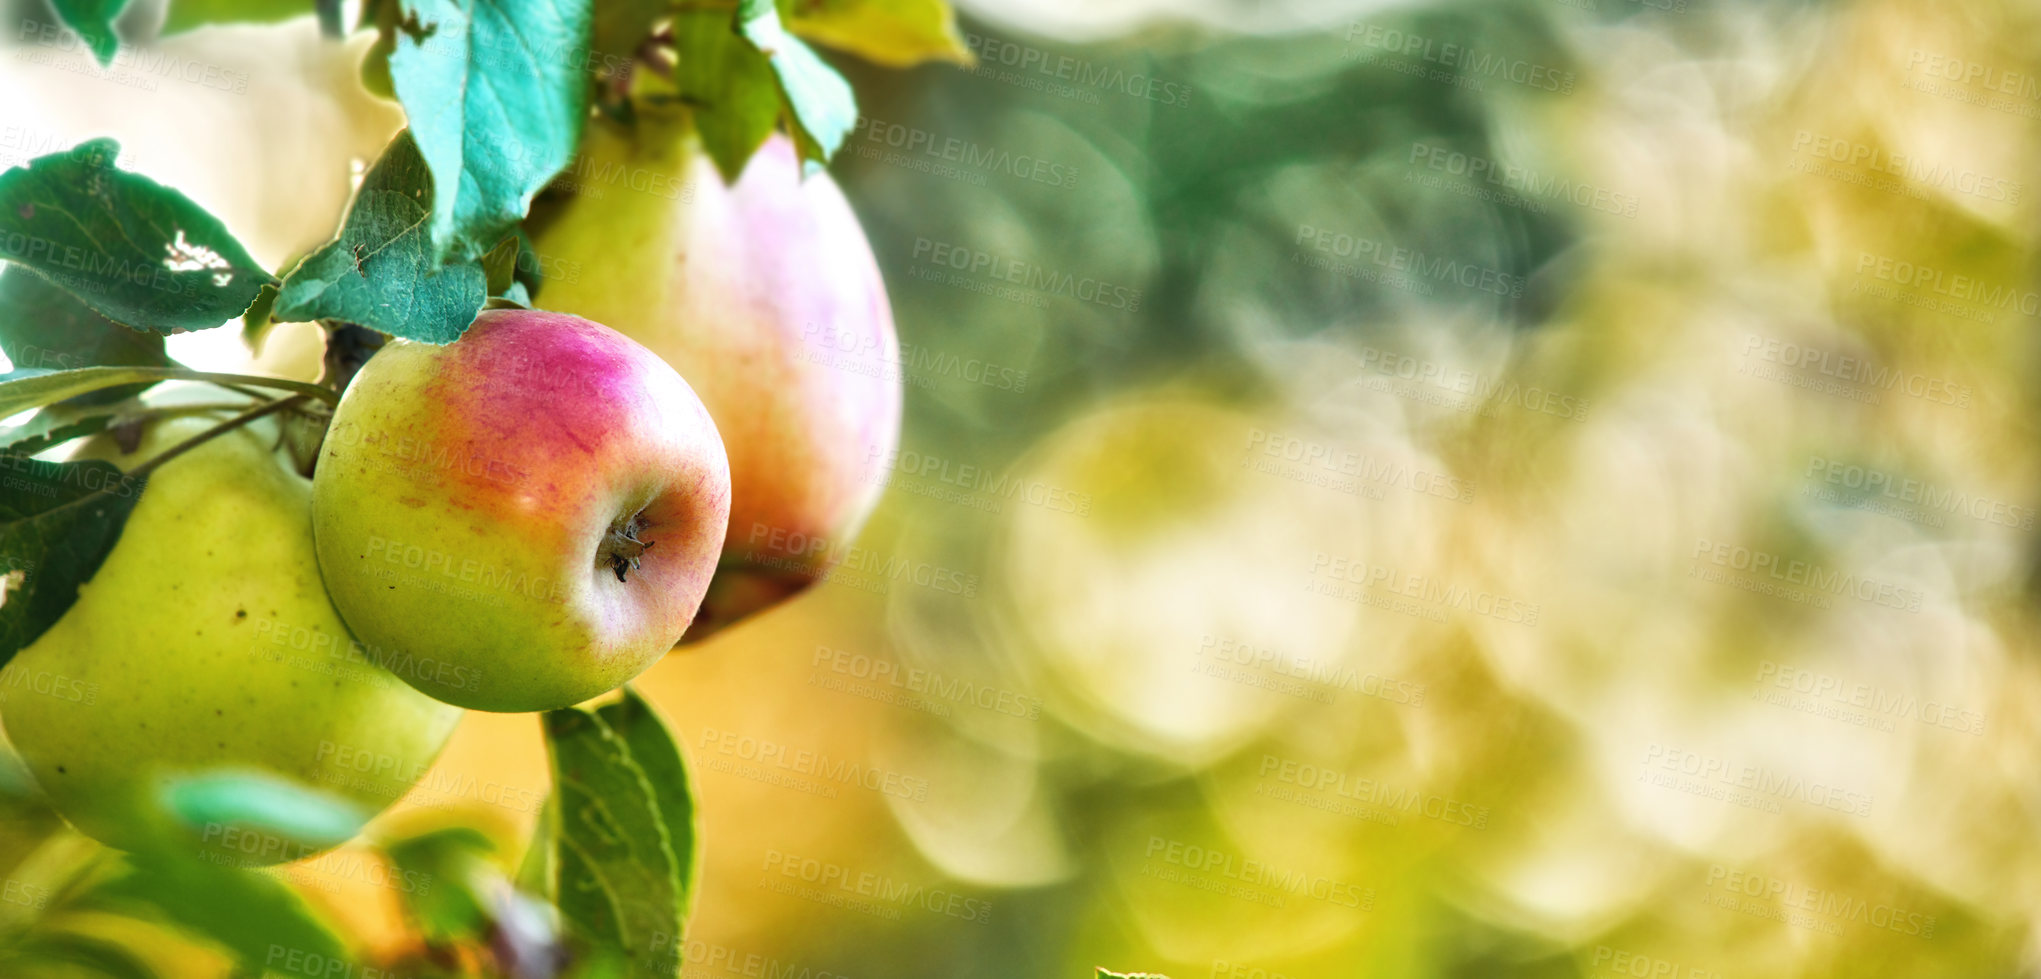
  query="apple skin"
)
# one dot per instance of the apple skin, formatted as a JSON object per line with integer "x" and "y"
{"x": 205, "y": 644}
{"x": 765, "y": 296}
{"x": 466, "y": 494}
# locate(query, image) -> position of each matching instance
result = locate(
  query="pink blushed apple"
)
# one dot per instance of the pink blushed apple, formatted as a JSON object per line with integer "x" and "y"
{"x": 539, "y": 506}
{"x": 766, "y": 297}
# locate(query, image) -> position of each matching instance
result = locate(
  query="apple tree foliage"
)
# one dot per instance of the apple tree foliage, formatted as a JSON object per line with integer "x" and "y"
{"x": 101, "y": 263}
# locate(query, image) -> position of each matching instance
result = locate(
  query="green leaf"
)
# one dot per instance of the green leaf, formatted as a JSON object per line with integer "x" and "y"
{"x": 28, "y": 388}
{"x": 255, "y": 323}
{"x": 101, "y": 957}
{"x": 375, "y": 67}
{"x": 620, "y": 27}
{"x": 535, "y": 873}
{"x": 275, "y": 807}
{"x": 730, "y": 84}
{"x": 652, "y": 747}
{"x": 496, "y": 93}
{"x": 24, "y": 389}
{"x": 452, "y": 862}
{"x": 185, "y": 15}
{"x": 499, "y": 267}
{"x": 140, "y": 253}
{"x": 527, "y": 270}
{"x": 253, "y": 916}
{"x": 819, "y": 101}
{"x": 381, "y": 272}
{"x": 627, "y": 844}
{"x": 93, "y": 20}
{"x": 42, "y": 326}
{"x": 58, "y": 521}
{"x": 894, "y": 33}
{"x": 52, "y": 427}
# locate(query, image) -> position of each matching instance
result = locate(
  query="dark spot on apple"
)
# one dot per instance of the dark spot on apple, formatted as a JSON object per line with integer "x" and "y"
{"x": 62, "y": 771}
{"x": 411, "y": 501}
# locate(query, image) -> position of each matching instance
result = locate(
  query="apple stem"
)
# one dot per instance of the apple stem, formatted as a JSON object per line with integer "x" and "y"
{"x": 348, "y": 347}
{"x": 259, "y": 411}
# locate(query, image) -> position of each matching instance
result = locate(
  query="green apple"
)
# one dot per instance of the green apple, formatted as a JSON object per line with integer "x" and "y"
{"x": 765, "y": 296}
{"x": 205, "y": 645}
{"x": 539, "y": 503}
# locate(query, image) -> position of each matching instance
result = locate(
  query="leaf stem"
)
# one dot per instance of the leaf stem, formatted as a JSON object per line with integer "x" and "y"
{"x": 259, "y": 411}
{"x": 327, "y": 395}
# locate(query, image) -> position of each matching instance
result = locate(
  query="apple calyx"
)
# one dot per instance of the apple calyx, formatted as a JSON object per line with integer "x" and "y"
{"x": 621, "y": 546}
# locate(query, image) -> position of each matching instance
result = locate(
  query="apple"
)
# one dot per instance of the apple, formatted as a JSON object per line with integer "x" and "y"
{"x": 205, "y": 645}
{"x": 765, "y": 296}
{"x": 539, "y": 504}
